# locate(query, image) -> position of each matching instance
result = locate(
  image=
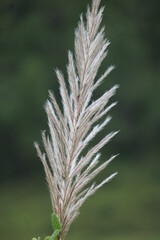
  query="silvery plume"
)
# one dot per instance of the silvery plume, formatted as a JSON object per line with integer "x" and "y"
{"x": 69, "y": 167}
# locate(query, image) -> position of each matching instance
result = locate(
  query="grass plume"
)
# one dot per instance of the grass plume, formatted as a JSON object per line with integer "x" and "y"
{"x": 68, "y": 168}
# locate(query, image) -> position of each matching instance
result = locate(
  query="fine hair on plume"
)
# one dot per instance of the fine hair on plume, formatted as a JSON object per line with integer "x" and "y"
{"x": 69, "y": 166}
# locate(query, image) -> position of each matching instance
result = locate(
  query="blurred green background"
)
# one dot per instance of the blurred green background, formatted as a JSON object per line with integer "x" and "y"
{"x": 34, "y": 38}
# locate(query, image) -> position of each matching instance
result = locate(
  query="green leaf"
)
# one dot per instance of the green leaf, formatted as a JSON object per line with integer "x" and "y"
{"x": 36, "y": 238}
{"x": 47, "y": 238}
{"x": 55, "y": 222}
{"x": 55, "y": 234}
{"x": 56, "y": 227}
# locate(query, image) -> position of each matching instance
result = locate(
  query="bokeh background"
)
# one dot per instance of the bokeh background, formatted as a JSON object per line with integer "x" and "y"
{"x": 34, "y": 39}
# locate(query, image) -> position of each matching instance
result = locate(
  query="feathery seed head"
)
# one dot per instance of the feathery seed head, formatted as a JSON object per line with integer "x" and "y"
{"x": 68, "y": 170}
